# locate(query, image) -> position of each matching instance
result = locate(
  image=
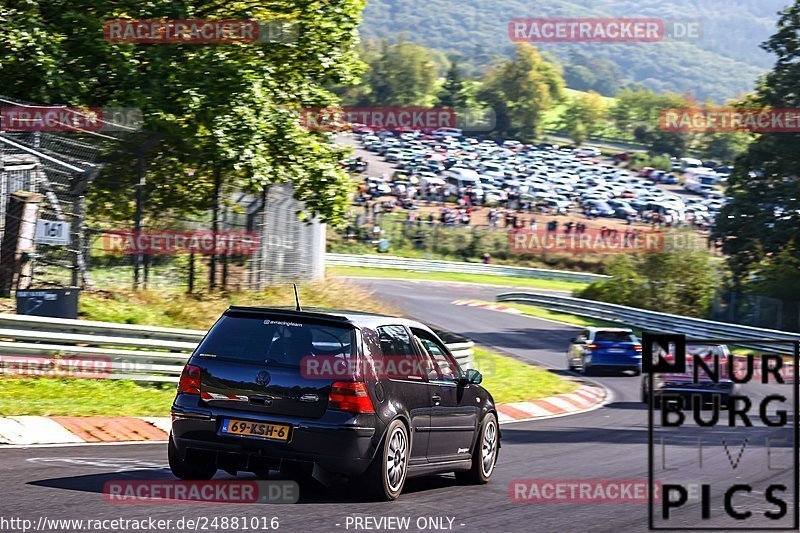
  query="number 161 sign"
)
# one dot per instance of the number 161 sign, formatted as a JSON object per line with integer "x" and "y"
{"x": 52, "y": 232}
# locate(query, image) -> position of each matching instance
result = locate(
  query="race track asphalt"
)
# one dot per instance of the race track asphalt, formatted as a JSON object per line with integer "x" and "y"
{"x": 610, "y": 443}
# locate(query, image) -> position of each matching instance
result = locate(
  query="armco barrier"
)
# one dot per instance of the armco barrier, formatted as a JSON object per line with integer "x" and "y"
{"x": 657, "y": 322}
{"x": 140, "y": 353}
{"x": 428, "y": 265}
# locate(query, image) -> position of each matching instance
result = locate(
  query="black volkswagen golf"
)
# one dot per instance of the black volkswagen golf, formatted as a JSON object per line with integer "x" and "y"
{"x": 332, "y": 394}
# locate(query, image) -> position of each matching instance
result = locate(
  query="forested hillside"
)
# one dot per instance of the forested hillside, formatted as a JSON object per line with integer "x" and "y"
{"x": 724, "y": 63}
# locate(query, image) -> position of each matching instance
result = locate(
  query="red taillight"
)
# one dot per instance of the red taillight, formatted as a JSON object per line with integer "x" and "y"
{"x": 350, "y": 396}
{"x": 638, "y": 347}
{"x": 190, "y": 380}
{"x": 591, "y": 346}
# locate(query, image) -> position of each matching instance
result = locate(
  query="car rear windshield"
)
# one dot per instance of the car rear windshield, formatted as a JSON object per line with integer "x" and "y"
{"x": 275, "y": 341}
{"x": 614, "y": 336}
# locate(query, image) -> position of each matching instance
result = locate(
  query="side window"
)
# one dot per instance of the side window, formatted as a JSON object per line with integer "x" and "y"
{"x": 398, "y": 360}
{"x": 442, "y": 366}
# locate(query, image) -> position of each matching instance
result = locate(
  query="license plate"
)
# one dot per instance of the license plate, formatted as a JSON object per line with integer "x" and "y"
{"x": 615, "y": 350}
{"x": 260, "y": 430}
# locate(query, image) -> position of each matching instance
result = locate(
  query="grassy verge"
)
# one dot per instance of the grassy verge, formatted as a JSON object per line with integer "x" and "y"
{"x": 448, "y": 276}
{"x": 83, "y": 397}
{"x": 509, "y": 380}
{"x": 173, "y": 308}
{"x": 540, "y": 312}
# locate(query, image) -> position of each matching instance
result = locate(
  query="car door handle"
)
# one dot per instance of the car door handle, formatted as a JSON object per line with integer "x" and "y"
{"x": 436, "y": 399}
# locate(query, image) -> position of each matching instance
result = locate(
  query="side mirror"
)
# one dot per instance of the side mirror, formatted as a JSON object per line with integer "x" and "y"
{"x": 473, "y": 376}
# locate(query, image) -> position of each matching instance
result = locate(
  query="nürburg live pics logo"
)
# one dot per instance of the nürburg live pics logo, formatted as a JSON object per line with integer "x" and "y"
{"x": 722, "y": 433}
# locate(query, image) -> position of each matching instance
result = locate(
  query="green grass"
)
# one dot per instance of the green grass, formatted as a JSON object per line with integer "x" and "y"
{"x": 83, "y": 397}
{"x": 509, "y": 380}
{"x": 448, "y": 276}
{"x": 540, "y": 312}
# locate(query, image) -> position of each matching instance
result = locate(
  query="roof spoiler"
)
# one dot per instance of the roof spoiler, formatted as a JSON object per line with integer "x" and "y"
{"x": 286, "y": 312}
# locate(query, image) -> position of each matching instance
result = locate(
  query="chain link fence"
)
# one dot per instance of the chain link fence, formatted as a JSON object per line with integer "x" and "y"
{"x": 61, "y": 165}
{"x": 755, "y": 310}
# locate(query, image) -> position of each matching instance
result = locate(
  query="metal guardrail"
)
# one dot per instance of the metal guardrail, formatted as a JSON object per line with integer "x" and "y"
{"x": 658, "y": 322}
{"x": 428, "y": 265}
{"x": 117, "y": 351}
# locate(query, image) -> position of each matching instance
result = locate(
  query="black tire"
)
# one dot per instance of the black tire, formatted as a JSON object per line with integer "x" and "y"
{"x": 484, "y": 454}
{"x": 181, "y": 469}
{"x": 392, "y": 455}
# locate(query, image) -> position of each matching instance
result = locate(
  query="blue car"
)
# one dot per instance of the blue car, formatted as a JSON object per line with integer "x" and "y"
{"x": 605, "y": 349}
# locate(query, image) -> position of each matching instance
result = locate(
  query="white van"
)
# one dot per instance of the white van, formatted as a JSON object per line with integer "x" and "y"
{"x": 689, "y": 162}
{"x": 459, "y": 177}
{"x": 700, "y": 180}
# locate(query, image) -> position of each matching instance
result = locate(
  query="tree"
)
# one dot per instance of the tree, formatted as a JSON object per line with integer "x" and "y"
{"x": 763, "y": 215}
{"x": 724, "y": 146}
{"x": 521, "y": 90}
{"x": 398, "y": 74}
{"x": 638, "y": 112}
{"x": 453, "y": 92}
{"x": 586, "y": 73}
{"x": 584, "y": 116}
{"x": 776, "y": 276}
{"x": 216, "y": 108}
{"x": 682, "y": 284}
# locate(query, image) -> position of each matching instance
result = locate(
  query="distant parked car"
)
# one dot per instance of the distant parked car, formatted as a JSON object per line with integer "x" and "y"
{"x": 447, "y": 132}
{"x": 547, "y": 146}
{"x": 587, "y": 151}
{"x": 622, "y": 209}
{"x": 605, "y": 348}
{"x": 599, "y": 208}
{"x": 646, "y": 171}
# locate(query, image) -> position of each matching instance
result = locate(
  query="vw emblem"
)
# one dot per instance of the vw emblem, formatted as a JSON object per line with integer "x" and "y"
{"x": 263, "y": 378}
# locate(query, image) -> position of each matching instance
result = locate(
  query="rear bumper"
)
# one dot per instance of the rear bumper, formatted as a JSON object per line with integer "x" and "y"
{"x": 344, "y": 447}
{"x": 598, "y": 360}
